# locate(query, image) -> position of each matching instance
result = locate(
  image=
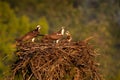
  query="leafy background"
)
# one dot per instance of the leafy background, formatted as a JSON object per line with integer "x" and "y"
{"x": 83, "y": 18}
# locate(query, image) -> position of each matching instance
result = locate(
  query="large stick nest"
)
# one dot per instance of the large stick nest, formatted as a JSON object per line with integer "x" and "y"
{"x": 51, "y": 61}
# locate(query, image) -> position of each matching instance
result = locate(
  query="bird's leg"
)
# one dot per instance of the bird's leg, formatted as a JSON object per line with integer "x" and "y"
{"x": 33, "y": 39}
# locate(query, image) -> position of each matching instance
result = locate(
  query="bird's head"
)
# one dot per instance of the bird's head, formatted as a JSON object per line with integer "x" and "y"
{"x": 38, "y": 27}
{"x": 62, "y": 30}
{"x": 67, "y": 33}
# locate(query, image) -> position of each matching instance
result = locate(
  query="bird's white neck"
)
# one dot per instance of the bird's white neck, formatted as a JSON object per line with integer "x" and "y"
{"x": 38, "y": 27}
{"x": 62, "y": 31}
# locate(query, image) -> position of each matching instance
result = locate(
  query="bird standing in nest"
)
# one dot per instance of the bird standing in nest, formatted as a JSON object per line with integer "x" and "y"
{"x": 30, "y": 35}
{"x": 68, "y": 36}
{"x": 56, "y": 36}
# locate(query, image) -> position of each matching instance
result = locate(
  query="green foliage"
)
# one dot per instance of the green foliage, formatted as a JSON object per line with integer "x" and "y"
{"x": 86, "y": 18}
{"x": 44, "y": 25}
{"x": 12, "y": 27}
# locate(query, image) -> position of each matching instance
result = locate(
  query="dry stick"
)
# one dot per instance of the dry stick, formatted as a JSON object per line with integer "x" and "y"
{"x": 30, "y": 76}
{"x": 18, "y": 67}
{"x": 64, "y": 54}
{"x": 33, "y": 71}
{"x": 87, "y": 39}
{"x": 15, "y": 70}
{"x": 41, "y": 66}
{"x": 97, "y": 75}
{"x": 24, "y": 73}
{"x": 46, "y": 64}
{"x": 53, "y": 66}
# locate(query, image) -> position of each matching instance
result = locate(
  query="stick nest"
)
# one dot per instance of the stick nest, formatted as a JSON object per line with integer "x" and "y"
{"x": 51, "y": 61}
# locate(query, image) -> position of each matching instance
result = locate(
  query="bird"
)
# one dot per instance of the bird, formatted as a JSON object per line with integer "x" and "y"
{"x": 68, "y": 36}
{"x": 30, "y": 35}
{"x": 56, "y": 36}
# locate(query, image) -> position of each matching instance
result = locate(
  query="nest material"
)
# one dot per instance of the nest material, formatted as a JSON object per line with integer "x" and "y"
{"x": 51, "y": 61}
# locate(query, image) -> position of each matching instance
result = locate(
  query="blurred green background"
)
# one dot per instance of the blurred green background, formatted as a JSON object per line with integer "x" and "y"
{"x": 83, "y": 18}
